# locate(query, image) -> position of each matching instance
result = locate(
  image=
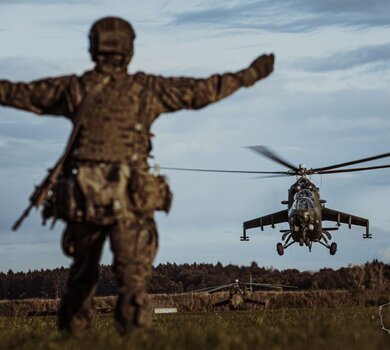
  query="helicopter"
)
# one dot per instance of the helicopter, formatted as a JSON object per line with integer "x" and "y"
{"x": 305, "y": 208}
{"x": 240, "y": 294}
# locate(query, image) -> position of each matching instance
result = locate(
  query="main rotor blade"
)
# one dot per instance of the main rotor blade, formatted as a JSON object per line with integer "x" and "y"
{"x": 206, "y": 289}
{"x": 271, "y": 285}
{"x": 353, "y": 169}
{"x": 266, "y": 286}
{"x": 271, "y": 176}
{"x": 266, "y": 152}
{"x": 226, "y": 171}
{"x": 219, "y": 288}
{"x": 340, "y": 165}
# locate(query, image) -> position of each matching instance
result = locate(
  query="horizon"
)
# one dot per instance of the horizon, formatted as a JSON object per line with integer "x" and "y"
{"x": 214, "y": 264}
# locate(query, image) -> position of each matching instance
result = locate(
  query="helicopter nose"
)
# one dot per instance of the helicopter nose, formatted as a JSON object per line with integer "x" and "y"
{"x": 302, "y": 219}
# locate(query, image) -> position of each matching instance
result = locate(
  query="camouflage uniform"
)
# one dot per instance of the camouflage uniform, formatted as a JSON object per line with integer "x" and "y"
{"x": 106, "y": 188}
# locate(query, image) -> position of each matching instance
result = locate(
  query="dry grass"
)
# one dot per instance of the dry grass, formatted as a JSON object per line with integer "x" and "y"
{"x": 317, "y": 328}
{"x": 204, "y": 302}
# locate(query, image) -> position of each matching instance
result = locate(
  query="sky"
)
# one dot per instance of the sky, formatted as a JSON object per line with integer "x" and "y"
{"x": 326, "y": 102}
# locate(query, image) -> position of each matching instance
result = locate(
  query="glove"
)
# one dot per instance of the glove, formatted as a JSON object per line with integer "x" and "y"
{"x": 264, "y": 65}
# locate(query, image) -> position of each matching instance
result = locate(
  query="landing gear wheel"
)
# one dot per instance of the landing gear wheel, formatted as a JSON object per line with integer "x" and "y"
{"x": 301, "y": 241}
{"x": 333, "y": 248}
{"x": 307, "y": 241}
{"x": 280, "y": 248}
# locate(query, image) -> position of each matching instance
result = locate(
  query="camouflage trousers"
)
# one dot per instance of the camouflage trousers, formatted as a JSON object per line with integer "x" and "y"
{"x": 134, "y": 245}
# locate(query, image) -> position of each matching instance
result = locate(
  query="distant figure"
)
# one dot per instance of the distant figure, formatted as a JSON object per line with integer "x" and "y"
{"x": 102, "y": 186}
{"x": 236, "y": 295}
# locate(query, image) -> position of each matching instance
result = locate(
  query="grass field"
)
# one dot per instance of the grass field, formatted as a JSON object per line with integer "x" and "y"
{"x": 343, "y": 328}
{"x": 202, "y": 302}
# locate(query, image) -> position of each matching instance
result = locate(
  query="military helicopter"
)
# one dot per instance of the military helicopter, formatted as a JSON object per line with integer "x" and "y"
{"x": 305, "y": 208}
{"x": 240, "y": 294}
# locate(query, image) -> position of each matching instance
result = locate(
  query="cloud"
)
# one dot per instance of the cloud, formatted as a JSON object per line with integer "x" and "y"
{"x": 28, "y": 68}
{"x": 347, "y": 124}
{"x": 377, "y": 55}
{"x": 287, "y": 15}
{"x": 29, "y": 141}
{"x": 48, "y": 2}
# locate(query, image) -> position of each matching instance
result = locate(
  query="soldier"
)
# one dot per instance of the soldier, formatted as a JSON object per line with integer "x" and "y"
{"x": 104, "y": 188}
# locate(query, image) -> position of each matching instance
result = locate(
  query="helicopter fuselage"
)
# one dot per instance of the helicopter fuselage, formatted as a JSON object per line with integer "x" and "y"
{"x": 304, "y": 210}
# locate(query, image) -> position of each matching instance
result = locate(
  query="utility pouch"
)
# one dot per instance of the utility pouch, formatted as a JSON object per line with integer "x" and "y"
{"x": 65, "y": 201}
{"x": 149, "y": 192}
{"x": 104, "y": 188}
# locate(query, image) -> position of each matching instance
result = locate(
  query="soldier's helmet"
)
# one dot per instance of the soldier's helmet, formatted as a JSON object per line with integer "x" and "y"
{"x": 111, "y": 35}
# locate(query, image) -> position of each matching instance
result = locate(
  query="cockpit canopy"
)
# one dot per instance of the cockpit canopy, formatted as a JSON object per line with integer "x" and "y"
{"x": 304, "y": 193}
{"x": 303, "y": 200}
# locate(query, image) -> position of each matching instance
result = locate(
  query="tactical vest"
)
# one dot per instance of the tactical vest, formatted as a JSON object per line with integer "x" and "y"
{"x": 111, "y": 129}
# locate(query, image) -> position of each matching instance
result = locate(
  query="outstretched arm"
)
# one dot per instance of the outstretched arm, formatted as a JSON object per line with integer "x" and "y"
{"x": 190, "y": 93}
{"x": 56, "y": 96}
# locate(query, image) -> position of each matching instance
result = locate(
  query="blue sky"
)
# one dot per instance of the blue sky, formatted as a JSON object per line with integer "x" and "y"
{"x": 327, "y": 102}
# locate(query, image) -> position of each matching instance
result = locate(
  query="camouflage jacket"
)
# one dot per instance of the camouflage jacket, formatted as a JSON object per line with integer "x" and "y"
{"x": 116, "y": 128}
{"x": 147, "y": 95}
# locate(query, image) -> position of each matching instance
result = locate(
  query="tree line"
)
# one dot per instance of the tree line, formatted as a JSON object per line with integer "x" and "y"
{"x": 178, "y": 278}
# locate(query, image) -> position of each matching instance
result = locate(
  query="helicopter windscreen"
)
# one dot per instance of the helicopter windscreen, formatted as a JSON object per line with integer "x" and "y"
{"x": 304, "y": 200}
{"x": 304, "y": 194}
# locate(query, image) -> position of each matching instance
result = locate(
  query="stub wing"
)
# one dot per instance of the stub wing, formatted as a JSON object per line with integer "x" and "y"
{"x": 345, "y": 218}
{"x": 271, "y": 219}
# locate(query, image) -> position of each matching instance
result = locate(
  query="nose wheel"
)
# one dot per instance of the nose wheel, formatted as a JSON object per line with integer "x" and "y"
{"x": 280, "y": 248}
{"x": 333, "y": 248}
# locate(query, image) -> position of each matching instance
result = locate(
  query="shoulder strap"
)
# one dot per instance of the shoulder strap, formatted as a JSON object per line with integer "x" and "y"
{"x": 77, "y": 120}
{"x": 41, "y": 192}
